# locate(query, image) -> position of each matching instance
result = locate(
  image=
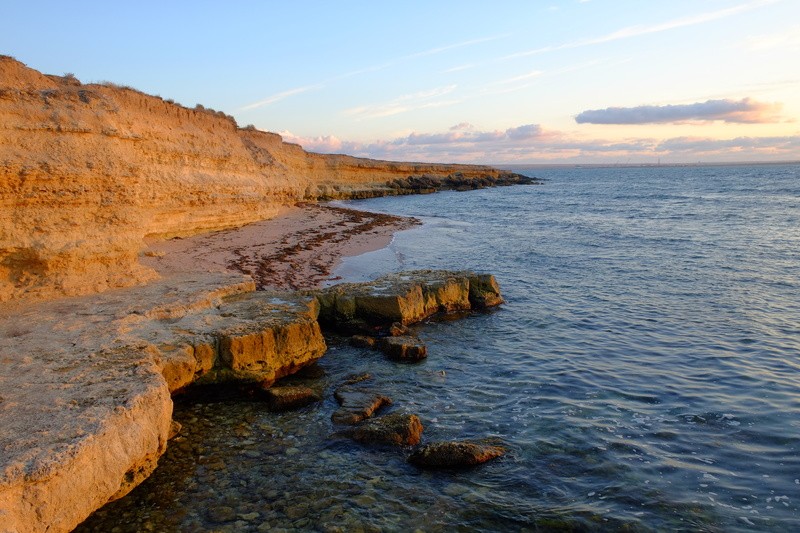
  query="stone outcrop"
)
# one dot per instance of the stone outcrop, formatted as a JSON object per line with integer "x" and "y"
{"x": 454, "y": 454}
{"x": 85, "y": 406}
{"x": 89, "y": 170}
{"x": 405, "y": 298}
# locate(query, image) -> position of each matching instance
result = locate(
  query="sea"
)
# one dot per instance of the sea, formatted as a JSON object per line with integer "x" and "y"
{"x": 643, "y": 374}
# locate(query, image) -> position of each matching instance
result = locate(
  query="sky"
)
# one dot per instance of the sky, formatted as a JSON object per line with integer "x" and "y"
{"x": 525, "y": 82}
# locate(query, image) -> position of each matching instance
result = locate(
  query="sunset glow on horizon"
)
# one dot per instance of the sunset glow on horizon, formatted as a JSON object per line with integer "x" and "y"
{"x": 571, "y": 81}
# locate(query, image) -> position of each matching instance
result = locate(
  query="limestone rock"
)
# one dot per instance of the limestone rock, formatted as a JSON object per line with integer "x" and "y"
{"x": 484, "y": 291}
{"x": 357, "y": 402}
{"x": 363, "y": 341}
{"x": 254, "y": 336}
{"x": 85, "y": 408}
{"x": 454, "y": 454}
{"x": 396, "y": 300}
{"x": 400, "y": 429}
{"x": 290, "y": 397}
{"x": 70, "y": 449}
{"x": 404, "y": 349}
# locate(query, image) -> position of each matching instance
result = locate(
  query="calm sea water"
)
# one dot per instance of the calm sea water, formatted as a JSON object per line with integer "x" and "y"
{"x": 644, "y": 373}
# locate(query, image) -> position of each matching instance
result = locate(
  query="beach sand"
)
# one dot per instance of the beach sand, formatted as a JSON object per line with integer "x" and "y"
{"x": 296, "y": 250}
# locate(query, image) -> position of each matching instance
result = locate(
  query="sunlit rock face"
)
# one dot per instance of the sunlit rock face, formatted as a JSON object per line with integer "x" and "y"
{"x": 405, "y": 298}
{"x": 88, "y": 170}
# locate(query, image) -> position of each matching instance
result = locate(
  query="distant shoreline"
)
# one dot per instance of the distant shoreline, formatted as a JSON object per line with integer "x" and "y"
{"x": 519, "y": 166}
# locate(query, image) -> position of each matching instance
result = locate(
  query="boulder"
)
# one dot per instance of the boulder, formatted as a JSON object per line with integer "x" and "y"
{"x": 404, "y": 349}
{"x": 484, "y": 291}
{"x": 400, "y": 429}
{"x": 454, "y": 454}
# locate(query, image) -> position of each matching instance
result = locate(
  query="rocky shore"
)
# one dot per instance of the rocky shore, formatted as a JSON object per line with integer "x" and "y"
{"x": 89, "y": 411}
{"x": 146, "y": 247}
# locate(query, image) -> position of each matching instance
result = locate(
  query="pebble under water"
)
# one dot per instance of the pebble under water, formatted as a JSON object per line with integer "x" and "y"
{"x": 644, "y": 374}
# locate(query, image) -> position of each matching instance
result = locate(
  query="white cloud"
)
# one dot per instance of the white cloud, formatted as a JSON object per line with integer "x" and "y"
{"x": 373, "y": 68}
{"x": 521, "y": 77}
{"x": 440, "y": 49}
{"x": 280, "y": 96}
{"x": 745, "y": 111}
{"x": 405, "y": 103}
{"x": 459, "y": 68}
{"x": 786, "y": 145}
{"x": 636, "y": 31}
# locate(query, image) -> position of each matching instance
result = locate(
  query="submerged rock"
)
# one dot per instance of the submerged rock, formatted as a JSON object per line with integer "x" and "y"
{"x": 357, "y": 378}
{"x": 358, "y": 402}
{"x": 289, "y": 397}
{"x": 454, "y": 454}
{"x": 400, "y": 429}
{"x": 404, "y": 349}
{"x": 363, "y": 341}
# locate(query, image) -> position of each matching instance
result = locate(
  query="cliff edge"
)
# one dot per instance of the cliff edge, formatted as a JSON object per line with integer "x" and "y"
{"x": 87, "y": 171}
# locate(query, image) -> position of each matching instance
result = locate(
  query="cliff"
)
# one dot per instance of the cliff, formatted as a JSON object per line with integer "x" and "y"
{"x": 87, "y": 171}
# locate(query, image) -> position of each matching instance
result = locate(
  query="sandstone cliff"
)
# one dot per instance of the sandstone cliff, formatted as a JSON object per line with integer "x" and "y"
{"x": 88, "y": 171}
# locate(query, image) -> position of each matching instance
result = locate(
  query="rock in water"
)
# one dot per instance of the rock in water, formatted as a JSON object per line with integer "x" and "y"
{"x": 405, "y": 349}
{"x": 484, "y": 291}
{"x": 454, "y": 454}
{"x": 289, "y": 397}
{"x": 397, "y": 428}
{"x": 362, "y": 341}
{"x": 404, "y": 298}
{"x": 358, "y": 402}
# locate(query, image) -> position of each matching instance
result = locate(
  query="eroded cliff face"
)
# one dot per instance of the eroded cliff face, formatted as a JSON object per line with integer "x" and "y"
{"x": 88, "y": 171}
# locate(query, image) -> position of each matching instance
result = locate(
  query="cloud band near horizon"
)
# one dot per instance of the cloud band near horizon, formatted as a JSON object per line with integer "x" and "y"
{"x": 530, "y": 143}
{"x": 744, "y": 111}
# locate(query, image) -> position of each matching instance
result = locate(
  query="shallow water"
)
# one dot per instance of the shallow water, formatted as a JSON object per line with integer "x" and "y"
{"x": 644, "y": 373}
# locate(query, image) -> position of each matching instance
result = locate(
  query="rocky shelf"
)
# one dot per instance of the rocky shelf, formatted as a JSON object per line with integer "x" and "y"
{"x": 85, "y": 403}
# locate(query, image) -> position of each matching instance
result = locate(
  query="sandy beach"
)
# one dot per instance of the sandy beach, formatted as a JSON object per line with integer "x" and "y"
{"x": 296, "y": 250}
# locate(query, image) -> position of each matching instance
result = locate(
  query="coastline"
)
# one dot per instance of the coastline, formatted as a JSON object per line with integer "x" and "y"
{"x": 296, "y": 250}
{"x": 88, "y": 379}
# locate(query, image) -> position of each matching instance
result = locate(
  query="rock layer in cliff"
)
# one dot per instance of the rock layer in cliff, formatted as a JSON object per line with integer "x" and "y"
{"x": 89, "y": 170}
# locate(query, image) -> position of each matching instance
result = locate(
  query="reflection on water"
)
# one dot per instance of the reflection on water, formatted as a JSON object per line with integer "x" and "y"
{"x": 644, "y": 374}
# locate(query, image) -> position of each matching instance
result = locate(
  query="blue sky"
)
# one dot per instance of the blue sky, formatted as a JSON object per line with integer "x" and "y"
{"x": 570, "y": 81}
